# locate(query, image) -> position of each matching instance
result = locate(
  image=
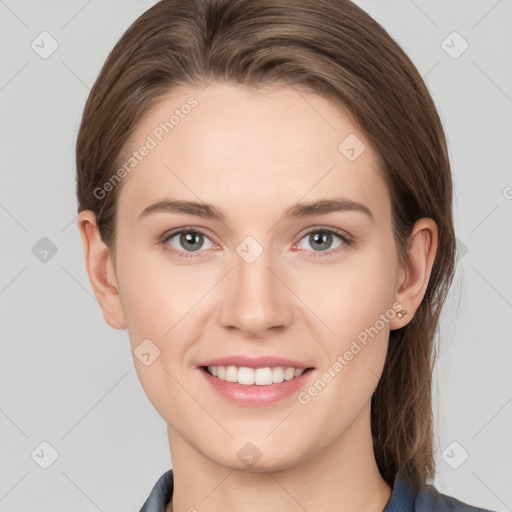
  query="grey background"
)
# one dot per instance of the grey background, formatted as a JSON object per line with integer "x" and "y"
{"x": 67, "y": 378}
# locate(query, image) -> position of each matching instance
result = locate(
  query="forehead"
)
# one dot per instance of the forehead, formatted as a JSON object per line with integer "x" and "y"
{"x": 243, "y": 147}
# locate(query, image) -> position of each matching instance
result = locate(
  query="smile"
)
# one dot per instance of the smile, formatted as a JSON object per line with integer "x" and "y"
{"x": 250, "y": 376}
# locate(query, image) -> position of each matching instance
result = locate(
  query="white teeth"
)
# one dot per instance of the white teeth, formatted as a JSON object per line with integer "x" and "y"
{"x": 259, "y": 376}
{"x": 289, "y": 373}
{"x": 247, "y": 376}
{"x": 231, "y": 373}
{"x": 277, "y": 374}
{"x": 262, "y": 376}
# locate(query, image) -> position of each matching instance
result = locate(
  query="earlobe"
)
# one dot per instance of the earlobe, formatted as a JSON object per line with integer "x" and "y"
{"x": 100, "y": 269}
{"x": 414, "y": 278}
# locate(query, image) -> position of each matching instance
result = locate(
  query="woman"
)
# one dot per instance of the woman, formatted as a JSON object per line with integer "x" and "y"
{"x": 265, "y": 205}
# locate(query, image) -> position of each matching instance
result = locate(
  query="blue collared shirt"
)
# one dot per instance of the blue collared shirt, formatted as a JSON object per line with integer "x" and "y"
{"x": 403, "y": 498}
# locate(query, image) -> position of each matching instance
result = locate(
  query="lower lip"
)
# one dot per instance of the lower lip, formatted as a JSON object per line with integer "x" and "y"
{"x": 256, "y": 395}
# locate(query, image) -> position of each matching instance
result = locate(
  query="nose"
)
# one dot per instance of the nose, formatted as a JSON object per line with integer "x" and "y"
{"x": 256, "y": 300}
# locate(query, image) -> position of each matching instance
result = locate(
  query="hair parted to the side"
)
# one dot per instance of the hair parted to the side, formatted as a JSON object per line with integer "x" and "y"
{"x": 333, "y": 48}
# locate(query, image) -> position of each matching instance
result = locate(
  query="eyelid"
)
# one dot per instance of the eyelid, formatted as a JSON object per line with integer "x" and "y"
{"x": 187, "y": 229}
{"x": 341, "y": 233}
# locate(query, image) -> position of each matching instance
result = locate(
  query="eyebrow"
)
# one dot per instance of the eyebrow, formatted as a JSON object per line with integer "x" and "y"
{"x": 297, "y": 210}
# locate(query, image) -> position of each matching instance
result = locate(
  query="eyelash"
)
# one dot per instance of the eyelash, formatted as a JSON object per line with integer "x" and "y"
{"x": 346, "y": 241}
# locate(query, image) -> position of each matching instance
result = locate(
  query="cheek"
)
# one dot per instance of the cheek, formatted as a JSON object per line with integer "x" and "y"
{"x": 358, "y": 310}
{"x": 351, "y": 295}
{"x": 158, "y": 299}
{"x": 157, "y": 293}
{"x": 355, "y": 302}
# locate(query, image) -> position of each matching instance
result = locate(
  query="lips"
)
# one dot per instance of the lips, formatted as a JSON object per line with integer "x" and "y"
{"x": 257, "y": 395}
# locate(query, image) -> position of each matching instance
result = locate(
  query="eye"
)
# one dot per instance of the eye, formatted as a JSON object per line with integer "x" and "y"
{"x": 185, "y": 241}
{"x": 323, "y": 240}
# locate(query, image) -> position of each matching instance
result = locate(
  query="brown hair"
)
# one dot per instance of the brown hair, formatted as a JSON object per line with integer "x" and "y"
{"x": 333, "y": 48}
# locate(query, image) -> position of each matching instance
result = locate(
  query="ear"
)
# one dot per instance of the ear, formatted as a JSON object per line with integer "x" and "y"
{"x": 415, "y": 275}
{"x": 101, "y": 271}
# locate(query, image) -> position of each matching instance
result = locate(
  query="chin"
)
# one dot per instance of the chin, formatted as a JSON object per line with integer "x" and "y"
{"x": 260, "y": 464}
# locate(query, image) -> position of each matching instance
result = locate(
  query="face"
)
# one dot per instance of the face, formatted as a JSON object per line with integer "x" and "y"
{"x": 255, "y": 270}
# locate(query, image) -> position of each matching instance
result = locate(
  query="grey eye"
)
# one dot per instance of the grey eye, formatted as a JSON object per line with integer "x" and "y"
{"x": 190, "y": 241}
{"x": 321, "y": 240}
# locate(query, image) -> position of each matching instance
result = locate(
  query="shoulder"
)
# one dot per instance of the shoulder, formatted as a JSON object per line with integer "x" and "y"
{"x": 427, "y": 499}
{"x": 430, "y": 499}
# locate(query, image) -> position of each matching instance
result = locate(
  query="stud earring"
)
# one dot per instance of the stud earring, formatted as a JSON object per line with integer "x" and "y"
{"x": 401, "y": 314}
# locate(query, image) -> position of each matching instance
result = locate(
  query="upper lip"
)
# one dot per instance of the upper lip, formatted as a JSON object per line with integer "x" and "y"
{"x": 255, "y": 362}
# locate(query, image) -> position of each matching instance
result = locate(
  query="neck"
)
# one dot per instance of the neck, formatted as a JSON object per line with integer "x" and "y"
{"x": 340, "y": 477}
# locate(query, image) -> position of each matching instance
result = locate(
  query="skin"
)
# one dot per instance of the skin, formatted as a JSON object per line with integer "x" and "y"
{"x": 253, "y": 154}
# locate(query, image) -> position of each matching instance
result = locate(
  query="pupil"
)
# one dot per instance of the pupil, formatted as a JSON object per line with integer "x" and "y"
{"x": 191, "y": 241}
{"x": 321, "y": 239}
